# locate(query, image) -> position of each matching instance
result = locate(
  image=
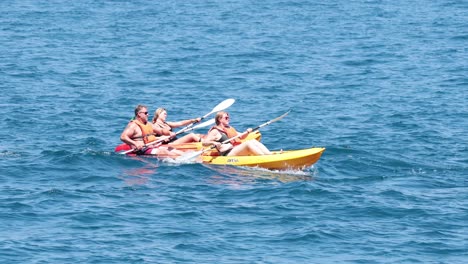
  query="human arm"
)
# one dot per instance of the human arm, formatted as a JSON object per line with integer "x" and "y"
{"x": 183, "y": 122}
{"x": 213, "y": 138}
{"x": 246, "y": 133}
{"x": 162, "y": 131}
{"x": 129, "y": 132}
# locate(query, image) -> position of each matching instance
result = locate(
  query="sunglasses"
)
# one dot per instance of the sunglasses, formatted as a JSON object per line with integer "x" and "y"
{"x": 146, "y": 113}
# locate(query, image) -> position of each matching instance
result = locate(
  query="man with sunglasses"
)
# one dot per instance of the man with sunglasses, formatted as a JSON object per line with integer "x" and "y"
{"x": 140, "y": 132}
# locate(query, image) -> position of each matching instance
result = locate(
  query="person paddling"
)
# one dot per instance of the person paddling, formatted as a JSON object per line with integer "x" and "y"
{"x": 159, "y": 122}
{"x": 139, "y": 132}
{"x": 223, "y": 131}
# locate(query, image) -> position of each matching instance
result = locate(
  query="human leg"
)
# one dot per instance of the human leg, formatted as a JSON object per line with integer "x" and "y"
{"x": 240, "y": 150}
{"x": 249, "y": 147}
{"x": 189, "y": 138}
{"x": 166, "y": 152}
{"x": 259, "y": 147}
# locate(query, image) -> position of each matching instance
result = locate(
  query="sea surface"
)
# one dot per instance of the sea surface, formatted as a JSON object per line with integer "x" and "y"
{"x": 382, "y": 85}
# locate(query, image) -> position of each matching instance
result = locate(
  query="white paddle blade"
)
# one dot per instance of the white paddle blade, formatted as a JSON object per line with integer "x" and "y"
{"x": 223, "y": 105}
{"x": 126, "y": 152}
{"x": 190, "y": 127}
{"x": 205, "y": 124}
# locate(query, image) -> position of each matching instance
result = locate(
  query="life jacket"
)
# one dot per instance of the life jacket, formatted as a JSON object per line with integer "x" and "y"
{"x": 146, "y": 131}
{"x": 227, "y": 133}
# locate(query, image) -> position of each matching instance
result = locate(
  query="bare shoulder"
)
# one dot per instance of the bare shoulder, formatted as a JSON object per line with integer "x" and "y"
{"x": 130, "y": 126}
{"x": 214, "y": 134}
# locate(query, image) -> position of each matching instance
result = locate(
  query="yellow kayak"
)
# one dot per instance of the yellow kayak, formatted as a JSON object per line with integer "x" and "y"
{"x": 279, "y": 160}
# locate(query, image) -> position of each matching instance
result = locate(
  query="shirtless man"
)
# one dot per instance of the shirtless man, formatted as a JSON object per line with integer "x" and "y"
{"x": 139, "y": 132}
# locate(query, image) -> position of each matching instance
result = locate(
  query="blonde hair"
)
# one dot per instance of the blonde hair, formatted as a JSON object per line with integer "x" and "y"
{"x": 157, "y": 113}
{"x": 219, "y": 116}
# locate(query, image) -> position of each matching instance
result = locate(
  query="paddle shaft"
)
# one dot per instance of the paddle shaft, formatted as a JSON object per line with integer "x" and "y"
{"x": 221, "y": 106}
{"x": 255, "y": 129}
{"x": 196, "y": 154}
{"x": 159, "y": 142}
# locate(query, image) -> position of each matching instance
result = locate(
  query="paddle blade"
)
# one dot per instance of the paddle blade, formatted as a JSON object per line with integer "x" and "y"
{"x": 205, "y": 124}
{"x": 223, "y": 105}
{"x": 126, "y": 152}
{"x": 280, "y": 117}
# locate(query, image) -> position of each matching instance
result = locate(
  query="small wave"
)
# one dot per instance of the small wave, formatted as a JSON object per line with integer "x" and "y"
{"x": 460, "y": 37}
{"x": 8, "y": 153}
{"x": 365, "y": 62}
{"x": 262, "y": 173}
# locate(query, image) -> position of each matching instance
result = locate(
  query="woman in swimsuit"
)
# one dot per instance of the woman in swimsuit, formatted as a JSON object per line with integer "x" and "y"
{"x": 223, "y": 131}
{"x": 159, "y": 121}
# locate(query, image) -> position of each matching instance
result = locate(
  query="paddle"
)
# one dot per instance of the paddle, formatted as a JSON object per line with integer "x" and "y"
{"x": 192, "y": 155}
{"x": 220, "y": 107}
{"x": 162, "y": 139}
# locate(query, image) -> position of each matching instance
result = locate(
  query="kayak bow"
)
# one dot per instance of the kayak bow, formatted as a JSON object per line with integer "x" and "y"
{"x": 279, "y": 160}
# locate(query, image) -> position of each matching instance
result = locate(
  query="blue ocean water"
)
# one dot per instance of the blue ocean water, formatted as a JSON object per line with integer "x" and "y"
{"x": 382, "y": 85}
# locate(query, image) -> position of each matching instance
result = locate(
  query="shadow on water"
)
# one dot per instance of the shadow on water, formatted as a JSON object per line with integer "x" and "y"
{"x": 140, "y": 175}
